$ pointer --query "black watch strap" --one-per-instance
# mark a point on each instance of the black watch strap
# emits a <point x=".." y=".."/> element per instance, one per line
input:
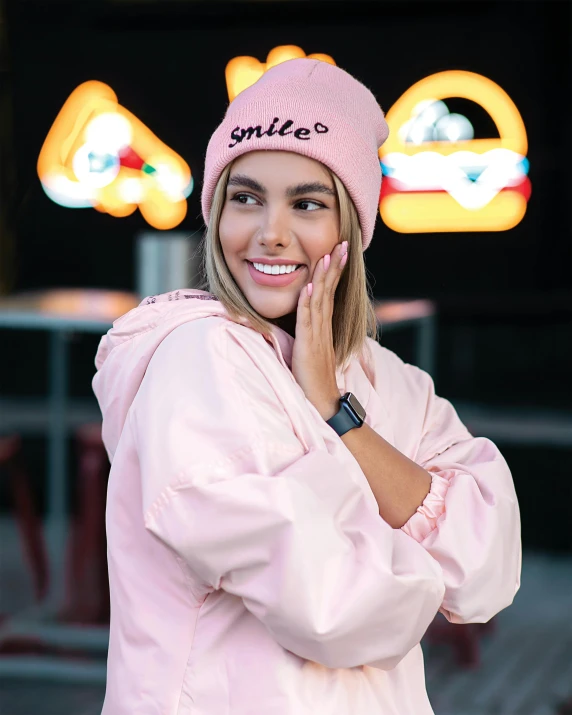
<point x="346" y="418"/>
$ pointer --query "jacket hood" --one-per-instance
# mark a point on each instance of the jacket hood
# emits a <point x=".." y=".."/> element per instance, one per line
<point x="125" y="351"/>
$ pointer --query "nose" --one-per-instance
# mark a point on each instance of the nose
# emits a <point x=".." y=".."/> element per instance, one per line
<point x="274" y="229"/>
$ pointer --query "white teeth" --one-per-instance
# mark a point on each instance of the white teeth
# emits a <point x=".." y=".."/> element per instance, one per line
<point x="274" y="270"/>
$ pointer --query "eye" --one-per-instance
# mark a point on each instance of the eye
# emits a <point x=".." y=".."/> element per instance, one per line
<point x="314" y="203"/>
<point x="238" y="197"/>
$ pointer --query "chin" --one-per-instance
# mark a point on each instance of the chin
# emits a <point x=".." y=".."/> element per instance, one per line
<point x="271" y="306"/>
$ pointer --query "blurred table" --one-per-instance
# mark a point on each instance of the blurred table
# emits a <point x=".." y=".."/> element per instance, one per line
<point x="421" y="314"/>
<point x="61" y="313"/>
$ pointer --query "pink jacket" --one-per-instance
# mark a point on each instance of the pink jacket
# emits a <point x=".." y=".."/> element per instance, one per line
<point x="250" y="571"/>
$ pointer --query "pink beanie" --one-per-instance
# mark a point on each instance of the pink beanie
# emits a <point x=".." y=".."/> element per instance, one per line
<point x="312" y="108"/>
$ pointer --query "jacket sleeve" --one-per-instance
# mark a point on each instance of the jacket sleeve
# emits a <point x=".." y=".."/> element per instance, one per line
<point x="228" y="488"/>
<point x="470" y="520"/>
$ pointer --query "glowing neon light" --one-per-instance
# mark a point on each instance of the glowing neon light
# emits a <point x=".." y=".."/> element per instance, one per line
<point x="437" y="177"/>
<point x="242" y="72"/>
<point x="99" y="155"/>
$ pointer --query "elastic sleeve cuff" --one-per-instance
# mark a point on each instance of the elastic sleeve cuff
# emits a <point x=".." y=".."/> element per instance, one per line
<point x="424" y="521"/>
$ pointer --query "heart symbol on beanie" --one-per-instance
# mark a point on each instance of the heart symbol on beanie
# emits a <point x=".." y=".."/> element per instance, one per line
<point x="242" y="72"/>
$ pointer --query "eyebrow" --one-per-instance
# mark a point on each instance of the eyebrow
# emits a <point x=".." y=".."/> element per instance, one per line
<point x="310" y="187"/>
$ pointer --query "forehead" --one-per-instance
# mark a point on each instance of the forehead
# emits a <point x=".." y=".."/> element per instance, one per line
<point x="280" y="167"/>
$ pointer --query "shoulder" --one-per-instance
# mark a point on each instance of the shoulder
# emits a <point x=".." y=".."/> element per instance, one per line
<point x="406" y="391"/>
<point x="201" y="338"/>
<point x="392" y="374"/>
<point x="212" y="349"/>
<point x="409" y="395"/>
<point x="192" y="352"/>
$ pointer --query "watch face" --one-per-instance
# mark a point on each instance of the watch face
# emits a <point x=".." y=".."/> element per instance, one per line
<point x="355" y="405"/>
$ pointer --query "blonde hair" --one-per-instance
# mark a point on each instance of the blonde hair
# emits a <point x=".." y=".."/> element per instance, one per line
<point x="353" y="317"/>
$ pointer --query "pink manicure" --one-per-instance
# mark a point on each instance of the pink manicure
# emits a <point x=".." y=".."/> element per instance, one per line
<point x="309" y="288"/>
<point x="326" y="262"/>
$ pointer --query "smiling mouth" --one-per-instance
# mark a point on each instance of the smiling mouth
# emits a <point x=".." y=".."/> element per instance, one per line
<point x="263" y="273"/>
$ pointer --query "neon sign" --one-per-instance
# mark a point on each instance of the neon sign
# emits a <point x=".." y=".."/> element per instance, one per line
<point x="98" y="155"/>
<point x="242" y="72"/>
<point x="437" y="176"/>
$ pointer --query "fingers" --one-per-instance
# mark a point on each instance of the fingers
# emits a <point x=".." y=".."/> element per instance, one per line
<point x="332" y="270"/>
<point x="325" y="280"/>
<point x="303" y="315"/>
<point x="316" y="301"/>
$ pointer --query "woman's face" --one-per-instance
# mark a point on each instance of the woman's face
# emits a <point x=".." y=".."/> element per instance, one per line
<point x="278" y="205"/>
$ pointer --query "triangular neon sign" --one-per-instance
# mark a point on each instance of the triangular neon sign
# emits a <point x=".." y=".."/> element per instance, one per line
<point x="98" y="154"/>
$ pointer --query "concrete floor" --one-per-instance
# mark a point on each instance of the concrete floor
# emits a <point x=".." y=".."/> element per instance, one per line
<point x="526" y="663"/>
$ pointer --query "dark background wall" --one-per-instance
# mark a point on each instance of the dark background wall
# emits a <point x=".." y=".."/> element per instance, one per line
<point x="504" y="299"/>
<point x="166" y="63"/>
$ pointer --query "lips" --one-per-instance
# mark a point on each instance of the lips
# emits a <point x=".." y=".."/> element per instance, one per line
<point x="276" y="281"/>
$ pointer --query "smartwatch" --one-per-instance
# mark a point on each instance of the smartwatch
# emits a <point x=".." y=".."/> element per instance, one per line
<point x="351" y="414"/>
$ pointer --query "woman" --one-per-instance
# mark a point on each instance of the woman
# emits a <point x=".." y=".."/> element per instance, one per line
<point x="290" y="504"/>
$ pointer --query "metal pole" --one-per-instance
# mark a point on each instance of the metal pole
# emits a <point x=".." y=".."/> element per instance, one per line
<point x="426" y="342"/>
<point x="56" y="513"/>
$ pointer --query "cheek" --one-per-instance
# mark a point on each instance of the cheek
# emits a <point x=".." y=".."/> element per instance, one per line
<point x="321" y="238"/>
<point x="231" y="233"/>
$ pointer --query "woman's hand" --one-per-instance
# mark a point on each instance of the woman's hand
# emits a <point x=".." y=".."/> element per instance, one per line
<point x="313" y="357"/>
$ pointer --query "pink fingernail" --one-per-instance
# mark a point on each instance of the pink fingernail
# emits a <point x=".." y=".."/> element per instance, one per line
<point x="310" y="288"/>
<point x="344" y="248"/>
<point x="326" y="262"/>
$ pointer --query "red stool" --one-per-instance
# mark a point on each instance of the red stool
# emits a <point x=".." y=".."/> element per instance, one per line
<point x="31" y="532"/>
<point x="565" y="708"/>
<point x="87" y="578"/>
<point x="27" y="518"/>
<point x="463" y="637"/>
